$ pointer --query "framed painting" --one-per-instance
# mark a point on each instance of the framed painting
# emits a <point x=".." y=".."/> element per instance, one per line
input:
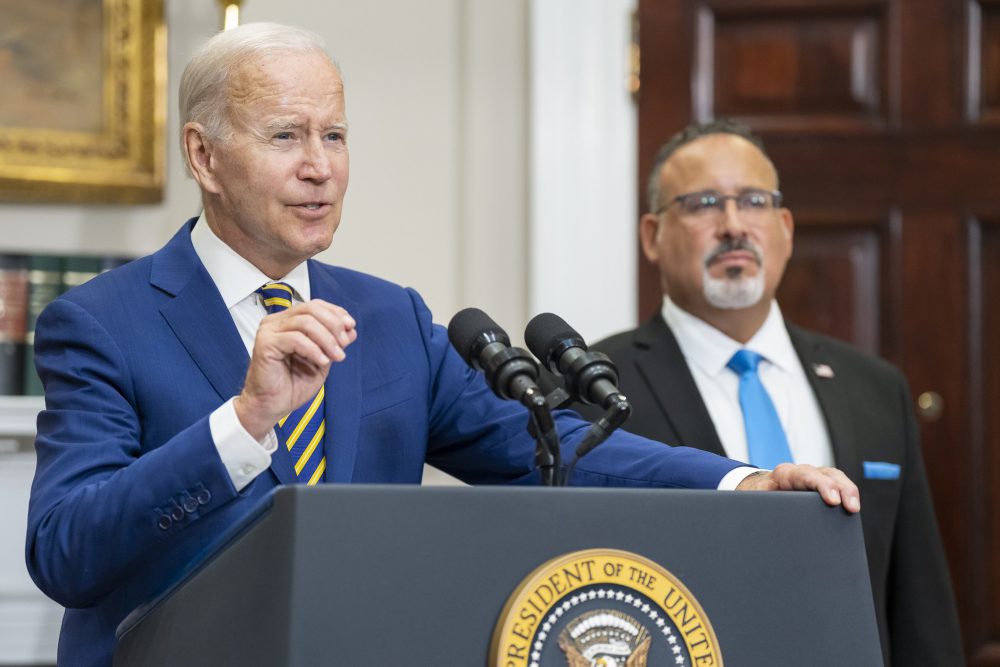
<point x="82" y="100"/>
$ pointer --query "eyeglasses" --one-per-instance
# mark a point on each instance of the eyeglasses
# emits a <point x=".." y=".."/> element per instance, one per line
<point x="709" y="203"/>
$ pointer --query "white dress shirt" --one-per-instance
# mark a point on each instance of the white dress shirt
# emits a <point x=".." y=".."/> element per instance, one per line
<point x="707" y="351"/>
<point x="237" y="280"/>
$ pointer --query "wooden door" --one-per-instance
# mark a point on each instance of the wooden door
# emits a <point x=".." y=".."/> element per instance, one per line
<point x="883" y="118"/>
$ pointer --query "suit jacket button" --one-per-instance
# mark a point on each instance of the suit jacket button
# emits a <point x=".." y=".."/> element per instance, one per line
<point x="164" y="522"/>
<point x="203" y="496"/>
<point x="189" y="504"/>
<point x="176" y="512"/>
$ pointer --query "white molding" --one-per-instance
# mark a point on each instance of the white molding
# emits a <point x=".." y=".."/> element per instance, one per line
<point x="583" y="165"/>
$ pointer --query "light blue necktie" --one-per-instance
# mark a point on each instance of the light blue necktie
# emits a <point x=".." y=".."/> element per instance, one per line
<point x="766" y="440"/>
<point x="301" y="431"/>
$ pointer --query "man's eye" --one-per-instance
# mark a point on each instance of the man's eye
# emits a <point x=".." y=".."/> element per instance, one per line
<point x="703" y="202"/>
<point x="755" y="200"/>
<point x="283" y="135"/>
<point x="335" y="136"/>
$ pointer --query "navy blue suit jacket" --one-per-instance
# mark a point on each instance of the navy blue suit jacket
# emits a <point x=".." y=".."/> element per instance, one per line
<point x="130" y="489"/>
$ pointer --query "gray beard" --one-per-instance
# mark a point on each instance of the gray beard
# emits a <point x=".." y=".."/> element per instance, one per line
<point x="731" y="293"/>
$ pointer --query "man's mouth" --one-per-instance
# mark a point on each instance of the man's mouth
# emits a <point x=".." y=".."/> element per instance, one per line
<point x="735" y="255"/>
<point x="734" y="251"/>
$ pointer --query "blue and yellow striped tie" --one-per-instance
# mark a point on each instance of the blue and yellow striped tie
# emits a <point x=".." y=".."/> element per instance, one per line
<point x="303" y="429"/>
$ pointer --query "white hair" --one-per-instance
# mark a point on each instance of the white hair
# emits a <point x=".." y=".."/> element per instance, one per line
<point x="204" y="88"/>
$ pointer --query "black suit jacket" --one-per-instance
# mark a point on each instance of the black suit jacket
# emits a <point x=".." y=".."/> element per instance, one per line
<point x="869" y="417"/>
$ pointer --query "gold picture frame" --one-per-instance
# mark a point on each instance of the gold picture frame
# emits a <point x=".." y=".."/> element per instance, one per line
<point x="82" y="112"/>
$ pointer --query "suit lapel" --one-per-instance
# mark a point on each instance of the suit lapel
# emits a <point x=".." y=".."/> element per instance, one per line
<point x="661" y="364"/>
<point x="831" y="394"/>
<point x="343" y="385"/>
<point x="199" y="318"/>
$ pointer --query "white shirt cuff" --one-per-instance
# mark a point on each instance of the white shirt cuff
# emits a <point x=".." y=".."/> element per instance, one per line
<point x="734" y="477"/>
<point x="243" y="456"/>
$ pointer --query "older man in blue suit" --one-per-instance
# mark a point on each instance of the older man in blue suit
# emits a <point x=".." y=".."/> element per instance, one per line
<point x="176" y="398"/>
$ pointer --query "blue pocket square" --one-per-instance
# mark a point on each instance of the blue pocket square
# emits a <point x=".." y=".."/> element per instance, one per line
<point x="880" y="470"/>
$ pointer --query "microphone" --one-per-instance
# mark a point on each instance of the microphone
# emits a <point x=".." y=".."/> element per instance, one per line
<point x="510" y="371"/>
<point x="591" y="377"/>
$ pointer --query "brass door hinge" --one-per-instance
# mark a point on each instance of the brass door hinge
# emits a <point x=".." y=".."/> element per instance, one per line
<point x="633" y="81"/>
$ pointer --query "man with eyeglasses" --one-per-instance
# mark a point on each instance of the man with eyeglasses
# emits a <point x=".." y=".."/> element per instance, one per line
<point x="719" y="368"/>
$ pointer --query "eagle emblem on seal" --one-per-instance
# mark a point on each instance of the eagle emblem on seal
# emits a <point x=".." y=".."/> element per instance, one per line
<point x="605" y="638"/>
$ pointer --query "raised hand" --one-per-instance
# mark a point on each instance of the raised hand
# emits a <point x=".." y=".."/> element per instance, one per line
<point x="291" y="358"/>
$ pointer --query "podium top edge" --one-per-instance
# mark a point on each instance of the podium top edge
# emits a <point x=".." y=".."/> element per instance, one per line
<point x="708" y="495"/>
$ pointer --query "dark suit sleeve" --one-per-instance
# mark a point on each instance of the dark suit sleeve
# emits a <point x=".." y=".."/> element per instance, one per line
<point x="481" y="439"/>
<point x="923" y="623"/>
<point x="98" y="500"/>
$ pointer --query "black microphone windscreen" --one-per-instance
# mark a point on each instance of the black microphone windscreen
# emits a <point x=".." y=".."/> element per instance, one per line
<point x="465" y="330"/>
<point x="545" y="332"/>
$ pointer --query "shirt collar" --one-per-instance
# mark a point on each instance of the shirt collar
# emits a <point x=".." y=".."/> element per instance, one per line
<point x="235" y="277"/>
<point x="710" y="349"/>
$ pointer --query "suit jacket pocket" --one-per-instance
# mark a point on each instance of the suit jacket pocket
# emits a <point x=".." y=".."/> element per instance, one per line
<point x="386" y="395"/>
<point x="880" y="470"/>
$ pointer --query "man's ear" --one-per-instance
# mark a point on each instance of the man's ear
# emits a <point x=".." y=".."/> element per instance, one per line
<point x="788" y="222"/>
<point x="649" y="228"/>
<point x="198" y="151"/>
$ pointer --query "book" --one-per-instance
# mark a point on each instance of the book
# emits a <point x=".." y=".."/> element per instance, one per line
<point x="48" y="276"/>
<point x="44" y="285"/>
<point x="78" y="269"/>
<point x="13" y="322"/>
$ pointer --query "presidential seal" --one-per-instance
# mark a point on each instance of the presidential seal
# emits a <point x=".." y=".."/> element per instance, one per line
<point x="603" y="608"/>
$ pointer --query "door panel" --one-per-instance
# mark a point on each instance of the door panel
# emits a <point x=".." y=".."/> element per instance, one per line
<point x="833" y="283"/>
<point x="788" y="67"/>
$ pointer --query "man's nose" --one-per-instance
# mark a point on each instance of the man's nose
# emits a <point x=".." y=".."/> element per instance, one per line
<point x="731" y="220"/>
<point x="316" y="164"/>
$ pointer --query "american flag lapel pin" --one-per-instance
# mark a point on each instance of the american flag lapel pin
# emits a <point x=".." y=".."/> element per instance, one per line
<point x="822" y="371"/>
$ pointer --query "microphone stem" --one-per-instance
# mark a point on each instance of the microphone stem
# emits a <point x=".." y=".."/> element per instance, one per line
<point x="547" y="454"/>
<point x="618" y="410"/>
